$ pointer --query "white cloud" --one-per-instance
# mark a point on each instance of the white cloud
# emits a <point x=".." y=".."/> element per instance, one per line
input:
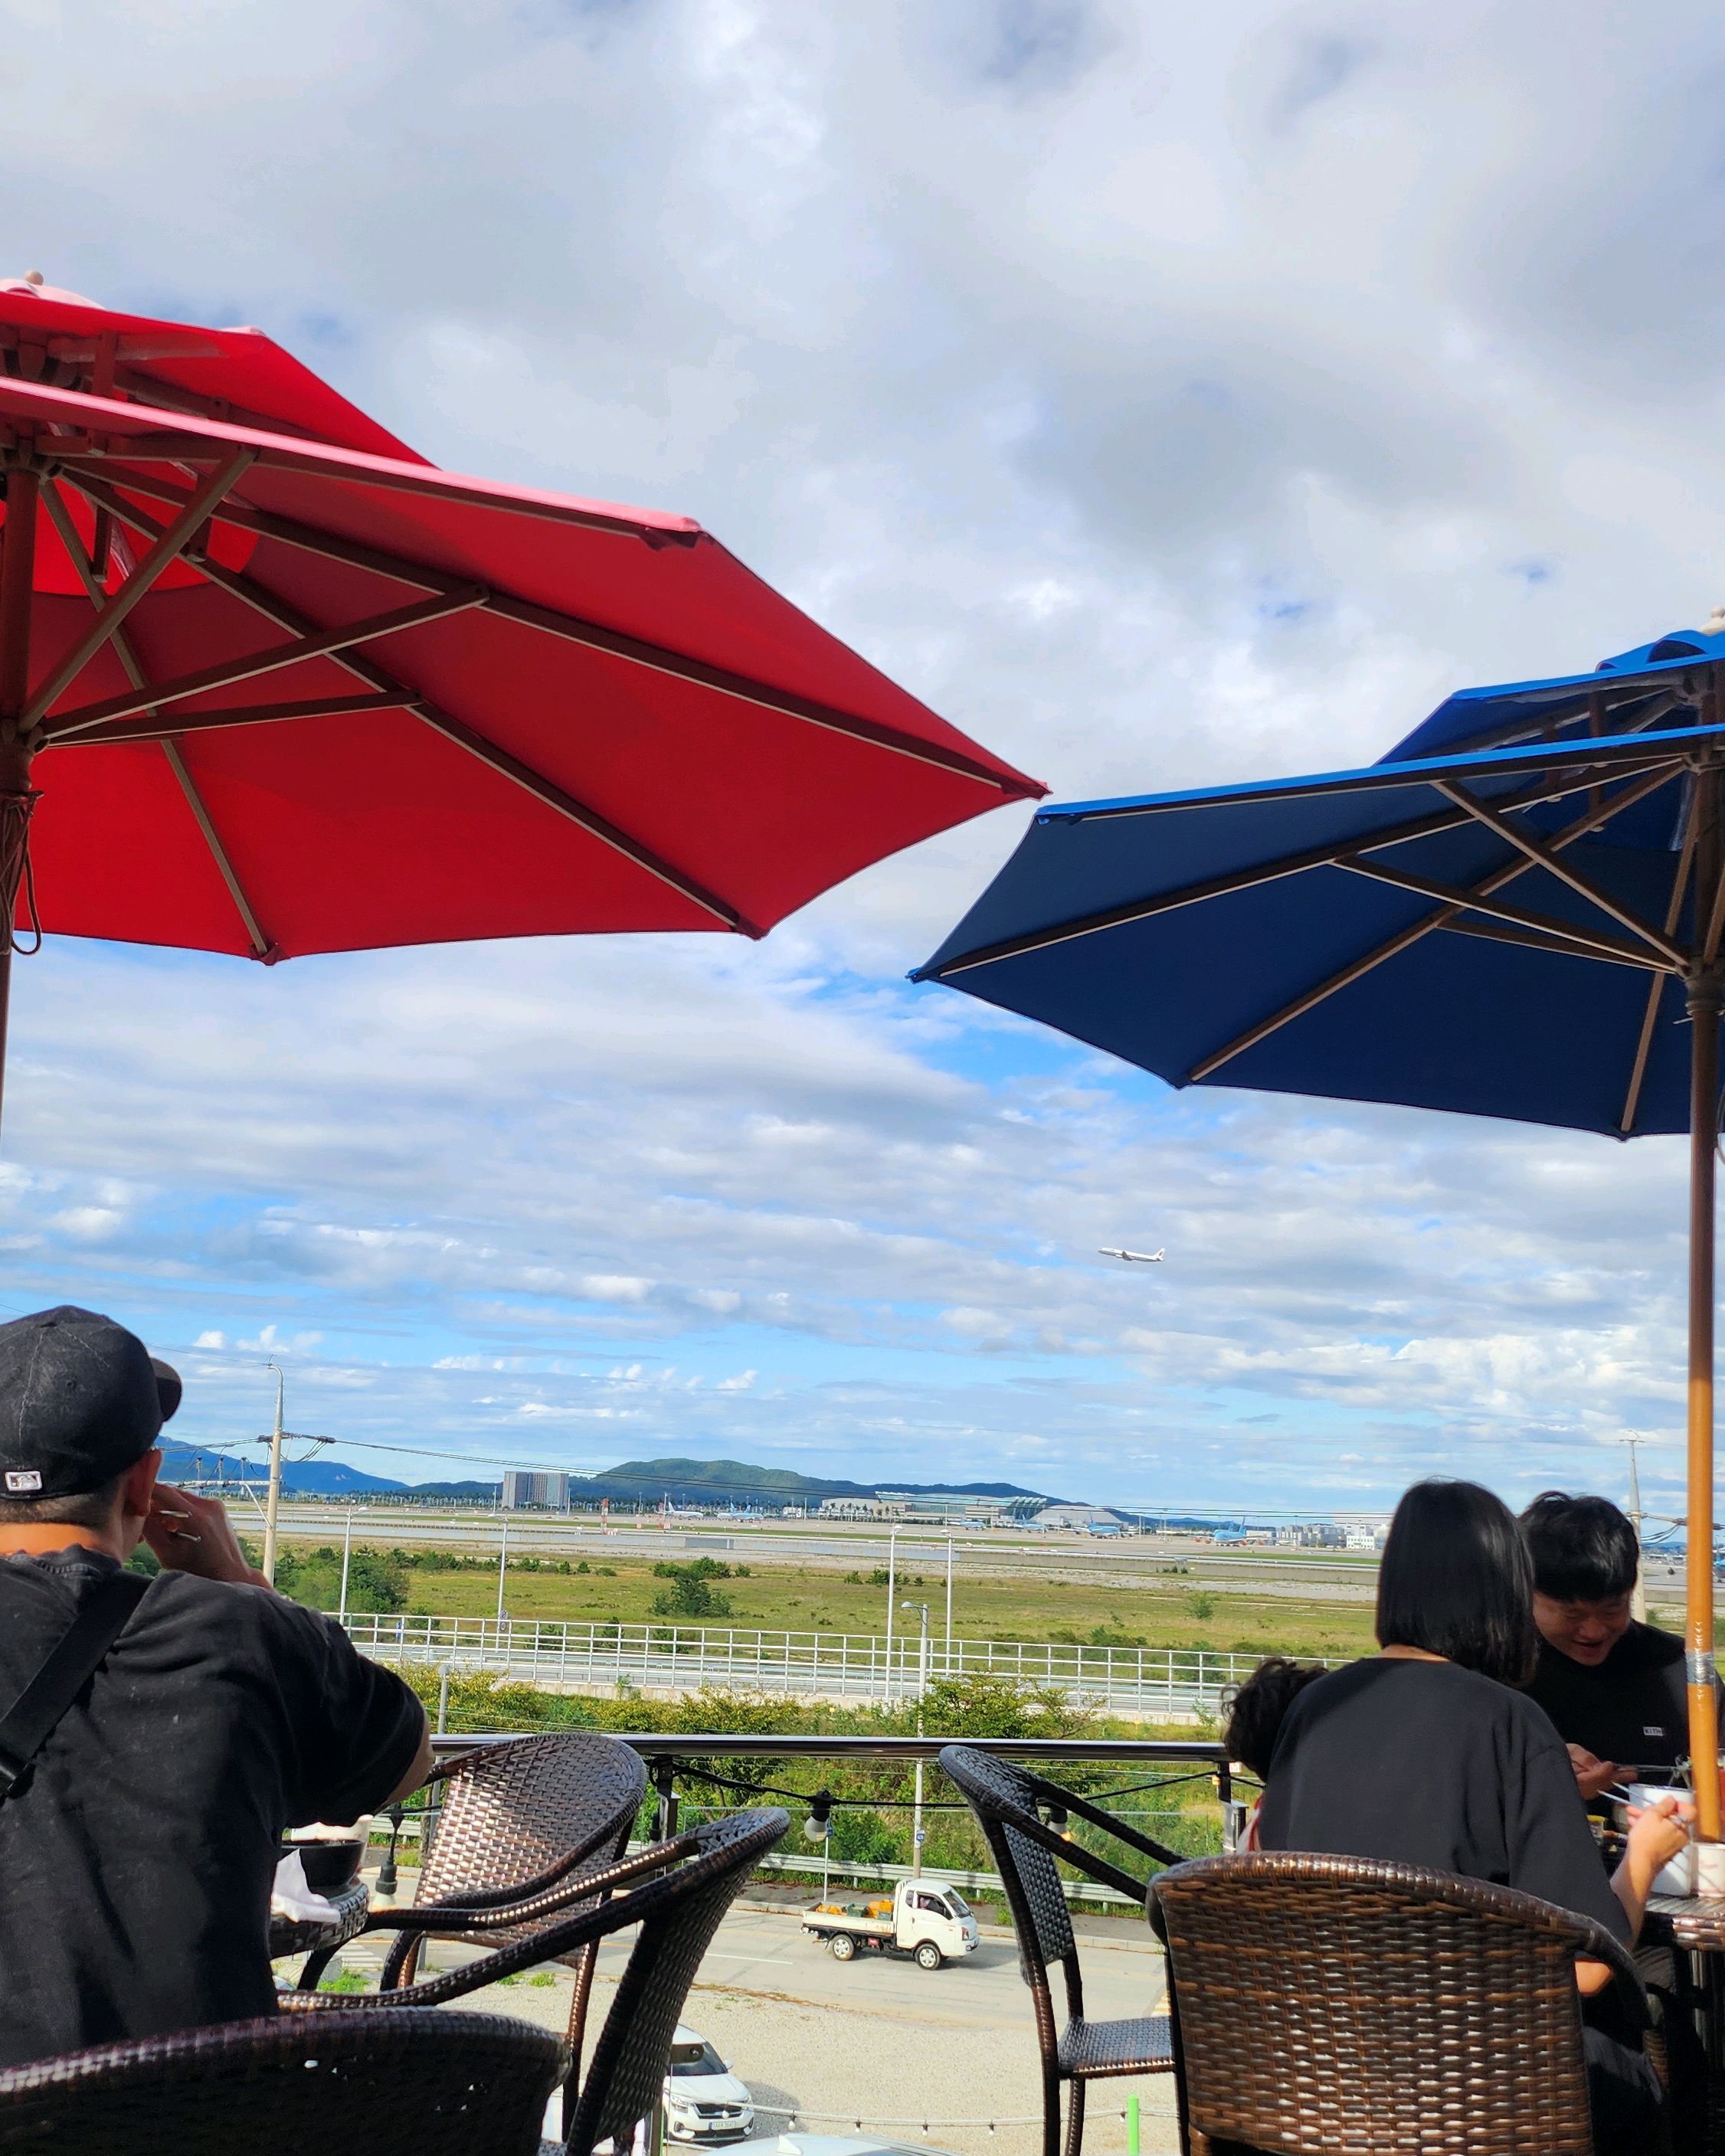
<point x="1165" y="397"/>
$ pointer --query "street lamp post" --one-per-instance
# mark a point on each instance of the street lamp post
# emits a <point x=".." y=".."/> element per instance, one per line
<point x="1638" y="1600"/>
<point x="891" y="1590"/>
<point x="272" y="1503"/>
<point x="921" y="1609"/>
<point x="346" y="1556"/>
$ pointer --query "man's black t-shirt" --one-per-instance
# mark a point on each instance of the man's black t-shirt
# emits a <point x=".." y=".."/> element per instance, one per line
<point x="136" y="1857"/>
<point x="1633" y="1707"/>
<point x="1427" y="1763"/>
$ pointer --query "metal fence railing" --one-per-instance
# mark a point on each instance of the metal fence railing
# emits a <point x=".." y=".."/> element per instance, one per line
<point x="681" y="1767"/>
<point x="1175" y="1683"/>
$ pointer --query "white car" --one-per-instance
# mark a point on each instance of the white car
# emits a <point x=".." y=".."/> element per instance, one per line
<point x="703" y="2101"/>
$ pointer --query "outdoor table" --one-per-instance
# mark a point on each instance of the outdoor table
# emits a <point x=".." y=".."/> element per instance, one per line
<point x="1693" y="1930"/>
<point x="350" y="1904"/>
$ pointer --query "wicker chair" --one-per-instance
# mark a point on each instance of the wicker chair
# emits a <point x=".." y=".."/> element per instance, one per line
<point x="678" y="1892"/>
<point x="408" y="2085"/>
<point x="516" y="1820"/>
<point x="1028" y="1853"/>
<point x="1323" y="2003"/>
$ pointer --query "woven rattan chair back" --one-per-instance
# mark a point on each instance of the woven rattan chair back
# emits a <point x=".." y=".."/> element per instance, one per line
<point x="624" y="2079"/>
<point x="1003" y="1800"/>
<point x="1028" y="1852"/>
<point x="1330" y="2002"/>
<point x="415" y="2083"/>
<point x="509" y="1812"/>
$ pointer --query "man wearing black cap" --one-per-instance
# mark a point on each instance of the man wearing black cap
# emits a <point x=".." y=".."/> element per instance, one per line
<point x="156" y="1748"/>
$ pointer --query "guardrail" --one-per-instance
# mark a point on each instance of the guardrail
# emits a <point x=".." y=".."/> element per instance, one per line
<point x="1172" y="1683"/>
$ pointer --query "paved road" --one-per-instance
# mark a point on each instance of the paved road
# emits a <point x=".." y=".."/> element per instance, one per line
<point x="882" y="2040"/>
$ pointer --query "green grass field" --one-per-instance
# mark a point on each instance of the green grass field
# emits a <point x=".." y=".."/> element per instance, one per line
<point x="787" y="1598"/>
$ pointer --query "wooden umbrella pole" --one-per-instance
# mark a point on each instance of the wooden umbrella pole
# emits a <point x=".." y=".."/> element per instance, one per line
<point x="1704" y="999"/>
<point x="17" y="566"/>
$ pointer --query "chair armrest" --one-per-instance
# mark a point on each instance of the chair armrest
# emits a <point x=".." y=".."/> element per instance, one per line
<point x="1626" y="1979"/>
<point x="584" y="1927"/>
<point x="467" y="1918"/>
<point x="498" y="1898"/>
<point x="462" y="1919"/>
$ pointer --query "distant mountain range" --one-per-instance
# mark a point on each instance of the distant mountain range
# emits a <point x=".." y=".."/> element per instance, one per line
<point x="705" y="1481"/>
<point x="316" y="1477"/>
<point x="634" y="1481"/>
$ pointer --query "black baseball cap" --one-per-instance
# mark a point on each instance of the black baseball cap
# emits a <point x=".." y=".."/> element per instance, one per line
<point x="81" y="1400"/>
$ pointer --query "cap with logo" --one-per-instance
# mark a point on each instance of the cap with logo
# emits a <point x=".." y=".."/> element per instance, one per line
<point x="81" y="1400"/>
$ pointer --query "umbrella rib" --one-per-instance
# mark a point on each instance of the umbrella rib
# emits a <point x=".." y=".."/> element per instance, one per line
<point x="1537" y="723"/>
<point x="594" y="636"/>
<point x="1619" y="753"/>
<point x="150" y="728"/>
<point x="318" y="644"/>
<point x="251" y="593"/>
<point x="1543" y="856"/>
<point x="262" y="947"/>
<point x="547" y="790"/>
<point x="109" y="617"/>
<point x="1322" y="856"/>
<point x="1560" y="946"/>
<point x="1656" y="989"/>
<point x="1554" y="932"/>
<point x="330" y="460"/>
<point x="1594" y="816"/>
<point x="660" y="660"/>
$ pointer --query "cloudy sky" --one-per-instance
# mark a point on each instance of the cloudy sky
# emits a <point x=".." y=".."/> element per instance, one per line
<point x="1165" y="396"/>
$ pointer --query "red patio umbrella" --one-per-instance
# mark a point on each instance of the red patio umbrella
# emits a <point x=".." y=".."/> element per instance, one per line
<point x="321" y="699"/>
<point x="70" y="342"/>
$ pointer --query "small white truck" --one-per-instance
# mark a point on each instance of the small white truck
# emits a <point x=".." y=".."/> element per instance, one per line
<point x="931" y="1923"/>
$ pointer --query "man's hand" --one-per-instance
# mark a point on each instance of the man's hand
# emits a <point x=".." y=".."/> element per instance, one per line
<point x="193" y="1534"/>
<point x="1592" y="1777"/>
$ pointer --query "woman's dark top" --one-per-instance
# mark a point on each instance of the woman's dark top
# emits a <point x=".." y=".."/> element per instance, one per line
<point x="1427" y="1763"/>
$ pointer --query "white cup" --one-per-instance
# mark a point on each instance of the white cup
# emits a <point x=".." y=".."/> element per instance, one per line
<point x="1678" y="1876"/>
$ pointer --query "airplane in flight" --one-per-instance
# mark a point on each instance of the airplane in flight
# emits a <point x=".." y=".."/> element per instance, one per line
<point x="1136" y="1257"/>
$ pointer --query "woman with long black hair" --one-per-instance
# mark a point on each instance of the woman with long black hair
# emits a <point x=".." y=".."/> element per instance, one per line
<point x="1427" y="1754"/>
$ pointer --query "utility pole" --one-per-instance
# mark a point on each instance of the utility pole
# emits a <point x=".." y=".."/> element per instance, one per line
<point x="274" y="1497"/>
<point x="922" y="1608"/>
<point x="347" y="1553"/>
<point x="1638" y="1600"/>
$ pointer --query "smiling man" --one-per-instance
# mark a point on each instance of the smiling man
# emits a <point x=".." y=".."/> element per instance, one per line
<point x="1614" y="1687"/>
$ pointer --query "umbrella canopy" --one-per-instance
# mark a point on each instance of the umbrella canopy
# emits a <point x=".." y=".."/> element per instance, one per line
<point x="323" y="701"/>
<point x="68" y="342"/>
<point x="1520" y="915"/>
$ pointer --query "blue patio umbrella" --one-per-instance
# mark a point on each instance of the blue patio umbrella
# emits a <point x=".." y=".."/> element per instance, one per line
<point x="1518" y="913"/>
